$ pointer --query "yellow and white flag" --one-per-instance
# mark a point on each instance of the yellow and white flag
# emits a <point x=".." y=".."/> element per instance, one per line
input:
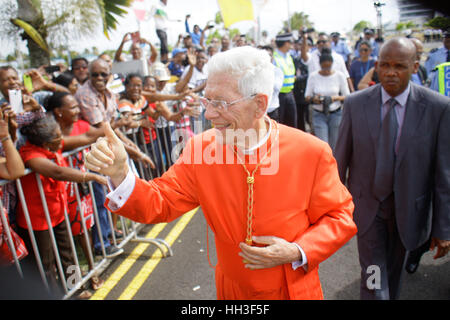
<point x="235" y="11"/>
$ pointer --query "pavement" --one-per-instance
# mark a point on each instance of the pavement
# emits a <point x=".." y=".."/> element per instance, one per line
<point x="187" y="275"/>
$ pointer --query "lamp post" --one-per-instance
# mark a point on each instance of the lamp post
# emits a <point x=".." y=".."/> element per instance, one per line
<point x="378" y="5"/>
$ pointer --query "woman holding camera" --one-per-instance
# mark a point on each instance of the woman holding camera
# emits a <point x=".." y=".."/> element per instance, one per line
<point x="325" y="91"/>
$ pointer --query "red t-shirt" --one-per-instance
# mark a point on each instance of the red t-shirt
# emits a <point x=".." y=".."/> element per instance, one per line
<point x="80" y="127"/>
<point x="54" y="190"/>
<point x="145" y="130"/>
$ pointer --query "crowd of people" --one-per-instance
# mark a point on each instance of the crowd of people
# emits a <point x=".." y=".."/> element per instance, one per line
<point x="73" y="107"/>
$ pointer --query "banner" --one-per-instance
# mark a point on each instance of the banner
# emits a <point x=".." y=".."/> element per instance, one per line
<point x="235" y="11"/>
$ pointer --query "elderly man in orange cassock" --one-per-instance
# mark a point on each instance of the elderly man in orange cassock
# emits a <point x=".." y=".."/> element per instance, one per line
<point x="270" y="193"/>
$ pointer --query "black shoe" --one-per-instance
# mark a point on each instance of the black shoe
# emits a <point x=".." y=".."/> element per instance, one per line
<point x="111" y="251"/>
<point x="412" y="267"/>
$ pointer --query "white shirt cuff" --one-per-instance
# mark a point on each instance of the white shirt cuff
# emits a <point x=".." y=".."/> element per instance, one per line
<point x="303" y="262"/>
<point x="118" y="196"/>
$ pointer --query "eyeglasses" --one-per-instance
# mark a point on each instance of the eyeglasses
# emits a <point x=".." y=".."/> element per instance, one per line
<point x="363" y="50"/>
<point x="96" y="74"/>
<point x="222" y="105"/>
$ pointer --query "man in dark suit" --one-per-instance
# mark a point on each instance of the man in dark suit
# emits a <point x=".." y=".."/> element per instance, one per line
<point x="394" y="140"/>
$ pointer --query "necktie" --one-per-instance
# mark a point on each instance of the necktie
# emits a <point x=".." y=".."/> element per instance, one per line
<point x="384" y="172"/>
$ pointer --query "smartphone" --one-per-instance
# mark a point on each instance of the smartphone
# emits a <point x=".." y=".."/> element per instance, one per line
<point x="27" y="82"/>
<point x="51" y="69"/>
<point x="136" y="36"/>
<point x="15" y="100"/>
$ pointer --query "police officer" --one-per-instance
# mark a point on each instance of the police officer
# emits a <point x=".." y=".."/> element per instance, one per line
<point x="340" y="47"/>
<point x="437" y="64"/>
<point x="439" y="55"/>
<point x="283" y="60"/>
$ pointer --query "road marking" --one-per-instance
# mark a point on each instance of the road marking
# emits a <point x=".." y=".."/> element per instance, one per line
<point x="150" y="265"/>
<point x="126" y="265"/>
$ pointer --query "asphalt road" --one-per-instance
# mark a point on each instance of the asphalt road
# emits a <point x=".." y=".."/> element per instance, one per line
<point x="187" y="275"/>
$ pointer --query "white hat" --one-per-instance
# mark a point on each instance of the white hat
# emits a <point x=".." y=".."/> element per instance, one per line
<point x="159" y="71"/>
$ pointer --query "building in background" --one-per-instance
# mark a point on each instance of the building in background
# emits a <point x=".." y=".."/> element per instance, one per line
<point x="415" y="11"/>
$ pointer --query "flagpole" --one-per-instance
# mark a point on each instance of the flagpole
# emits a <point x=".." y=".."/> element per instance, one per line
<point x="289" y="15"/>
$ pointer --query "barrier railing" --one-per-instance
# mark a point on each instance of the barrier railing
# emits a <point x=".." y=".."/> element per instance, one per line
<point x="71" y="277"/>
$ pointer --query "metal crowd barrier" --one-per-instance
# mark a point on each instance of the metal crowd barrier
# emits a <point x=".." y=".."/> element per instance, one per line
<point x="162" y="143"/>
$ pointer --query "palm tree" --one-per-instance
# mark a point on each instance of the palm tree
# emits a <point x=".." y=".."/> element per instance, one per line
<point x="298" y="20"/>
<point x="55" y="21"/>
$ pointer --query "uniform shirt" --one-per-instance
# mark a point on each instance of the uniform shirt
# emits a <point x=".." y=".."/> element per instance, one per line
<point x="341" y="48"/>
<point x="434" y="58"/>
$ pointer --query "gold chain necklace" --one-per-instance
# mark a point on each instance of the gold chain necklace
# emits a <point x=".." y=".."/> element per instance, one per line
<point x="250" y="184"/>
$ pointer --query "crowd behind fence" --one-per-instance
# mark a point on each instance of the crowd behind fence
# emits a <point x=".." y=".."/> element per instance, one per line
<point x="72" y="278"/>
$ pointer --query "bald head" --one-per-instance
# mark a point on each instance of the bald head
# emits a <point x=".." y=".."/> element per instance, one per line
<point x="99" y="73"/>
<point x="419" y="48"/>
<point x="400" y="44"/>
<point x="98" y="63"/>
<point x="395" y="65"/>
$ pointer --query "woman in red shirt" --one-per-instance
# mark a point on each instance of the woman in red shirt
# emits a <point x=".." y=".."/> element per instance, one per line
<point x="66" y="112"/>
<point x="42" y="153"/>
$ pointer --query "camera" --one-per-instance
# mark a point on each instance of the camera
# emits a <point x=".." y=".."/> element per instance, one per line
<point x="306" y="30"/>
<point x="51" y="69"/>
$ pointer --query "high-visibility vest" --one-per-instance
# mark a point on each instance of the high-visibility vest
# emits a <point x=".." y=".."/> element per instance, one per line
<point x="443" y="71"/>
<point x="288" y="67"/>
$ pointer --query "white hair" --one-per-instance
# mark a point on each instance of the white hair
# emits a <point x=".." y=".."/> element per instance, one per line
<point x="250" y="66"/>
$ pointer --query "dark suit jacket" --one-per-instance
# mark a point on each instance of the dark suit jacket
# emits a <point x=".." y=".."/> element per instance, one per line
<point x="422" y="171"/>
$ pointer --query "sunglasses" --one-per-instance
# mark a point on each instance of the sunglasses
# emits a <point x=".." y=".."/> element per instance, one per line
<point x="103" y="74"/>
<point x="363" y="50"/>
<point x="322" y="41"/>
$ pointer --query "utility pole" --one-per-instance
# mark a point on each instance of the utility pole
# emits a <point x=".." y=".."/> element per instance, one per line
<point x="378" y="5"/>
<point x="289" y="15"/>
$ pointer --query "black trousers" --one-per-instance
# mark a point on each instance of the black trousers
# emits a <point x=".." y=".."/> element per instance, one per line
<point x="47" y="255"/>
<point x="382" y="256"/>
<point x="275" y="114"/>
<point x="162" y="35"/>
<point x="288" y="109"/>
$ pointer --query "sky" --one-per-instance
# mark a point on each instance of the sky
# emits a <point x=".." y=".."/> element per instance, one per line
<point x="327" y="16"/>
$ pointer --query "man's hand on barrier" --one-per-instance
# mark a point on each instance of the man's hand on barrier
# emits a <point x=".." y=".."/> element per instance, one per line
<point x="108" y="156"/>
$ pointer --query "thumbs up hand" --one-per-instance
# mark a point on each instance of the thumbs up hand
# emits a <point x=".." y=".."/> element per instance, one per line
<point x="108" y="156"/>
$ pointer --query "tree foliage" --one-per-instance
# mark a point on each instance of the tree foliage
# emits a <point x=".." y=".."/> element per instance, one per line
<point x="442" y="23"/>
<point x="298" y="20"/>
<point x="59" y="21"/>
<point x="404" y="25"/>
<point x="361" y="25"/>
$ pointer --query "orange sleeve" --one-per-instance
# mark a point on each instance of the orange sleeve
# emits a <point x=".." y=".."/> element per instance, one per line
<point x="163" y="199"/>
<point x="330" y="213"/>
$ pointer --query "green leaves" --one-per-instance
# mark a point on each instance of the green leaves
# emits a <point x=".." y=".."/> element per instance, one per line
<point x="109" y="10"/>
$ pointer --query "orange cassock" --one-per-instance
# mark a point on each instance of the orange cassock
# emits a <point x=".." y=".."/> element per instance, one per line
<point x="298" y="196"/>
